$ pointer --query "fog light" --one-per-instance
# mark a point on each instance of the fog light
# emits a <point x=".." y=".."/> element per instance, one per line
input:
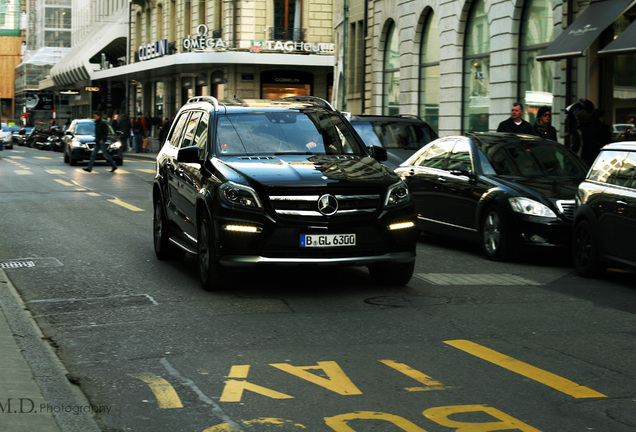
<point x="534" y="238"/>
<point x="401" y="225"/>
<point x="242" y="228"/>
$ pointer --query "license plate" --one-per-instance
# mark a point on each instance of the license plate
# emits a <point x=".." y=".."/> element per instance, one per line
<point x="327" y="240"/>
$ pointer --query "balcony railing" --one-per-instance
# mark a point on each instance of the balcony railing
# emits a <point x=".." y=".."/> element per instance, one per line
<point x="287" y="34"/>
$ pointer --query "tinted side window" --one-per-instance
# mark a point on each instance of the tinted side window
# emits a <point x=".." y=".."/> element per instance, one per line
<point x="177" y="132"/>
<point x="191" y="129"/>
<point x="435" y="155"/>
<point x="625" y="175"/>
<point x="201" y="134"/>
<point x="460" y="155"/>
<point x="607" y="164"/>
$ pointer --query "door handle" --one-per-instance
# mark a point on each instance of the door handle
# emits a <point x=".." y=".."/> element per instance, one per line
<point x="441" y="179"/>
<point x="622" y="203"/>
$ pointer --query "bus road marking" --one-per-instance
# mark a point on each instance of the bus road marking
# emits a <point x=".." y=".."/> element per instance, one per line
<point x="544" y="377"/>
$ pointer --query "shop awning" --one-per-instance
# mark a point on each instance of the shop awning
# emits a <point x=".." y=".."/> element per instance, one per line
<point x="76" y="65"/>
<point x="625" y="43"/>
<point x="585" y="29"/>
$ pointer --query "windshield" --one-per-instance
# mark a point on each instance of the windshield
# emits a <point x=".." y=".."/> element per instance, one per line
<point x="533" y="159"/>
<point x="85" y="129"/>
<point x="273" y="133"/>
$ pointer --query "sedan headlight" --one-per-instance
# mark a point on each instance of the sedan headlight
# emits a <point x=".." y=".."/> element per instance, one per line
<point x="530" y="207"/>
<point x="115" y="145"/>
<point x="78" y="144"/>
<point x="397" y="194"/>
<point x="236" y="195"/>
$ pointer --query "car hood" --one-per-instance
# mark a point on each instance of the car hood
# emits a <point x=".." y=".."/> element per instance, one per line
<point x="307" y="170"/>
<point x="546" y="187"/>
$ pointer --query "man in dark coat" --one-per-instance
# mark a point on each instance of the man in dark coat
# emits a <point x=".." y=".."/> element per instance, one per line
<point x="515" y="124"/>
<point x="101" y="135"/>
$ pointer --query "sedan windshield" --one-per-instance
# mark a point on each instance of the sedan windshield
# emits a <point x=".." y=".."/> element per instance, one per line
<point x="533" y="159"/>
<point x="275" y="133"/>
<point x="85" y="129"/>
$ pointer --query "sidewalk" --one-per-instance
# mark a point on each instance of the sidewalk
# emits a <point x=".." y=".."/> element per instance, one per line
<point x="35" y="394"/>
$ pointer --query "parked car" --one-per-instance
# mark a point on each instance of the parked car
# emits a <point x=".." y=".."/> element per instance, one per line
<point x="15" y="130"/>
<point x="6" y="138"/>
<point x="605" y="218"/>
<point x="79" y="140"/>
<point x="623" y="132"/>
<point x="245" y="184"/>
<point x="23" y="134"/>
<point x="400" y="135"/>
<point x="503" y="190"/>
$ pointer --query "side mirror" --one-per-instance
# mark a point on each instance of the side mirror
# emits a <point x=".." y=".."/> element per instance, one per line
<point x="189" y="155"/>
<point x="378" y="153"/>
<point x="69" y="133"/>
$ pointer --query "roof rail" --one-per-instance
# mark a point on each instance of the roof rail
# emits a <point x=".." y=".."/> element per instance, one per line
<point x="313" y="100"/>
<point x="210" y="99"/>
<point x="409" y="116"/>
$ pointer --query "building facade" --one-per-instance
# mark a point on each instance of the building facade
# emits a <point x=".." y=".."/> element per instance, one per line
<point x="175" y="49"/>
<point x="461" y="64"/>
<point x="10" y="54"/>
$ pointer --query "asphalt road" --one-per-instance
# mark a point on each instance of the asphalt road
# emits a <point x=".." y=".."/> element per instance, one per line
<point x="468" y="345"/>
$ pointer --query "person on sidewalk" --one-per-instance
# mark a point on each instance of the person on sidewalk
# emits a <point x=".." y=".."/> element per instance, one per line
<point x="543" y="127"/>
<point x="515" y="124"/>
<point x="101" y="135"/>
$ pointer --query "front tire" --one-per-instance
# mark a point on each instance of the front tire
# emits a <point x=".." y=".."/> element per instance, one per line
<point x="392" y="274"/>
<point x="495" y="235"/>
<point x="211" y="272"/>
<point x="585" y="251"/>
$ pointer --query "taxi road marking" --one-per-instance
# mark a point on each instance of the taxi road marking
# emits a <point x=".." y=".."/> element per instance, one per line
<point x="544" y="377"/>
<point x="125" y="205"/>
<point x="166" y="395"/>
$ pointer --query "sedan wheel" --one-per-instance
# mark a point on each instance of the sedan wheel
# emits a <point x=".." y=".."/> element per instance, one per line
<point x="212" y="274"/>
<point x="495" y="243"/>
<point x="586" y="260"/>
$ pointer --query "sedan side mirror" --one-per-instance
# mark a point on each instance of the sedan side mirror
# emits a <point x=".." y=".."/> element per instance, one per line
<point x="378" y="153"/>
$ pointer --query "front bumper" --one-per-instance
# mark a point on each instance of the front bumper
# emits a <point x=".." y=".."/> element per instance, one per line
<point x="81" y="153"/>
<point x="535" y="231"/>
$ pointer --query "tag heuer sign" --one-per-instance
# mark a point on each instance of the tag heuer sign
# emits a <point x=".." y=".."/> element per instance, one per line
<point x="257" y="46"/>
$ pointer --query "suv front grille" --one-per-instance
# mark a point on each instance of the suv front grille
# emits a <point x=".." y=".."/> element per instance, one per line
<point x="300" y="206"/>
<point x="567" y="208"/>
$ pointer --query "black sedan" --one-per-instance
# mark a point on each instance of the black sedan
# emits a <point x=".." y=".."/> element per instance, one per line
<point x="79" y="141"/>
<point x="503" y="190"/>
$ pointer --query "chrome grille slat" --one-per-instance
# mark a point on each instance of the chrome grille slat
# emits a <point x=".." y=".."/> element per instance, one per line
<point x="567" y="208"/>
<point x="306" y="205"/>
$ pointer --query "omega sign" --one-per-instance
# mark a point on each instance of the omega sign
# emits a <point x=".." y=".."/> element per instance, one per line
<point x="200" y="41"/>
<point x="152" y="50"/>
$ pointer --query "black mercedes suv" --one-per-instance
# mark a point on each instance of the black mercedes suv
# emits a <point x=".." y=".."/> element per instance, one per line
<point x="282" y="182"/>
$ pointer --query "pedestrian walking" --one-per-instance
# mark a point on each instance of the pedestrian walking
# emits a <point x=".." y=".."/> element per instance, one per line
<point x="138" y="132"/>
<point x="124" y="131"/>
<point x="515" y="124"/>
<point x="588" y="137"/>
<point x="542" y="126"/>
<point x="101" y="135"/>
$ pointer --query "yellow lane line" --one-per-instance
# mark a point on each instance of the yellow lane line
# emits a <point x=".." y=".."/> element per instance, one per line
<point x="149" y="171"/>
<point x="23" y="172"/>
<point x="42" y="157"/>
<point x="166" y="395"/>
<point x="64" y="183"/>
<point x="92" y="194"/>
<point x="551" y="380"/>
<point x="125" y="205"/>
<point x="55" y="171"/>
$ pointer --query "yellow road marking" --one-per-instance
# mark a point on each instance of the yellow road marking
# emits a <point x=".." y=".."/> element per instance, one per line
<point x="149" y="171"/>
<point x="166" y="395"/>
<point x="429" y="383"/>
<point x="64" y="183"/>
<point x="125" y="205"/>
<point x="92" y="194"/>
<point x="55" y="171"/>
<point x="41" y="157"/>
<point x="23" y="172"/>
<point x="544" y="377"/>
<point x="16" y="157"/>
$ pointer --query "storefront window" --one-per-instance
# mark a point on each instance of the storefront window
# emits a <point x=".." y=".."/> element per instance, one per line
<point x="476" y="103"/>
<point x="159" y="99"/>
<point x="624" y="76"/>
<point x="391" y="105"/>
<point x="535" y="86"/>
<point x="280" y="84"/>
<point x="429" y="73"/>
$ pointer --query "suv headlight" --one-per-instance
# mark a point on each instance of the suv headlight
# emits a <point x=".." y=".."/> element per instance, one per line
<point x="114" y="145"/>
<point x="397" y="194"/>
<point x="530" y="207"/>
<point x="236" y="195"/>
